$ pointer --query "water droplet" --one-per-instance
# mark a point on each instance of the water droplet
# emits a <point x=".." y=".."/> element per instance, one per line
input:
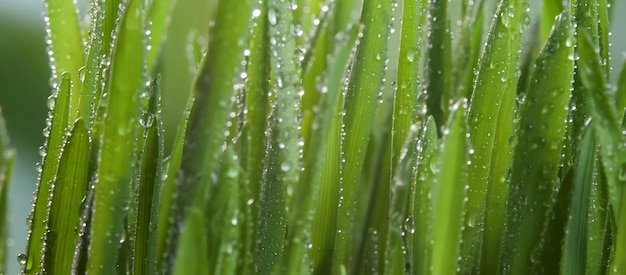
<point x="410" y="55"/>
<point x="285" y="166"/>
<point x="272" y="16"/>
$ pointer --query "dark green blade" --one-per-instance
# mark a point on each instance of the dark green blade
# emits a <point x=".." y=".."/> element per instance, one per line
<point x="68" y="195"/>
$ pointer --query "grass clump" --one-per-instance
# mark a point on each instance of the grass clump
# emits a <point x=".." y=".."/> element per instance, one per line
<point x="339" y="137"/>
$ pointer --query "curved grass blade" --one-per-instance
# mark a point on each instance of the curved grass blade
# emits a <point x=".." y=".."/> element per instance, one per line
<point x="66" y="46"/>
<point x="534" y="178"/>
<point x="489" y="121"/>
<point x="192" y="254"/>
<point x="422" y="199"/>
<point x="55" y="130"/>
<point x="360" y="105"/>
<point x="112" y="192"/>
<point x="575" y="247"/>
<point x="438" y="60"/>
<point x="68" y="194"/>
<point x="7" y="160"/>
<point x="307" y="189"/>
<point x="550" y="9"/>
<point x="449" y="195"/>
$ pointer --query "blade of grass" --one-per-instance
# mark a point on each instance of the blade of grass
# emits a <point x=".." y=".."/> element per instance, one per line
<point x="65" y="46"/>
<point x="468" y="48"/>
<point x="119" y="130"/>
<point x="69" y="192"/>
<point x="7" y="160"/>
<point x="253" y="152"/>
<point x="449" y="195"/>
<point x="490" y="122"/>
<point x="190" y="257"/>
<point x="422" y="199"/>
<point x="55" y="130"/>
<point x="360" y="105"/>
<point x="534" y="178"/>
<point x="620" y="98"/>
<point x="148" y="187"/>
<point x="159" y="23"/>
<point x="575" y="247"/>
<point x="438" y="60"/>
<point x="307" y="189"/>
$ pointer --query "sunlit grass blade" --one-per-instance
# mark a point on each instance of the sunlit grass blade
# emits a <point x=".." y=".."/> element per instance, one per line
<point x="66" y="46"/>
<point x="253" y="148"/>
<point x="438" y="60"/>
<point x="306" y="191"/>
<point x="7" y="159"/>
<point x="534" y="176"/>
<point x="449" y="194"/>
<point x="165" y="248"/>
<point x="68" y="193"/>
<point x="112" y="187"/>
<point x="422" y="199"/>
<point x="55" y="131"/>
<point x="575" y="247"/>
<point x="360" y="105"/>
<point x="550" y="9"/>
<point x="490" y="121"/>
<point x="468" y="48"/>
<point x="192" y="254"/>
<point x="148" y="187"/>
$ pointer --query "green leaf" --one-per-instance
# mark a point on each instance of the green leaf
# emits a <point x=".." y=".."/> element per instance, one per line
<point x="66" y="46"/>
<point x="449" y="194"/>
<point x="575" y="247"/>
<point x="360" y="105"/>
<point x="490" y="123"/>
<point x="7" y="160"/>
<point x="69" y="190"/>
<point x="192" y="254"/>
<point x="438" y="60"/>
<point x="112" y="187"/>
<point x="159" y="23"/>
<point x="534" y="178"/>
<point x="55" y="130"/>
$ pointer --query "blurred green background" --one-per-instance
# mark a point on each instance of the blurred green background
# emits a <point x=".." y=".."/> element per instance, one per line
<point x="25" y="86"/>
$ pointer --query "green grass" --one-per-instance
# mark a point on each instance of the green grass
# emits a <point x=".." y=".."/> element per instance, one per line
<point x="339" y="137"/>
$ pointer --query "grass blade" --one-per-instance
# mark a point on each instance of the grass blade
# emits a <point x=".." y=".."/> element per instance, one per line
<point x="7" y="159"/>
<point x="449" y="195"/>
<point x="537" y="154"/>
<point x="190" y="257"/>
<point x="66" y="46"/>
<point x="159" y="23"/>
<point x="575" y="247"/>
<point x="494" y="91"/>
<point x="438" y="62"/>
<point x="68" y="194"/>
<point x="360" y="105"/>
<point x="119" y="131"/>
<point x="58" y="120"/>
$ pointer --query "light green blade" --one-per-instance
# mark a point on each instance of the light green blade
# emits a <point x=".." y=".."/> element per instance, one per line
<point x="192" y="254"/>
<point x="7" y="160"/>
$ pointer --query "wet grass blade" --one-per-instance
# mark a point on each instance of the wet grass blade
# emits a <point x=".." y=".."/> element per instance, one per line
<point x="575" y="247"/>
<point x="66" y="46"/>
<point x="147" y="193"/>
<point x="438" y="60"/>
<point x="114" y="173"/>
<point x="7" y="159"/>
<point x="68" y="195"/>
<point x="422" y="199"/>
<point x="620" y="98"/>
<point x="308" y="187"/>
<point x="55" y="130"/>
<point x="489" y="121"/>
<point x="190" y="257"/>
<point x="534" y="176"/>
<point x="159" y="23"/>
<point x="360" y="105"/>
<point x="449" y="195"/>
<point x="165" y="249"/>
